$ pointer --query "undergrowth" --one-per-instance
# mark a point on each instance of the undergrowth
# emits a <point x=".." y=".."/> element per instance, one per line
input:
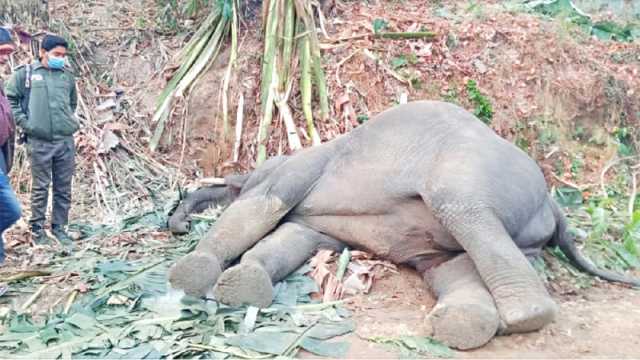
<point x="603" y="225"/>
<point x="482" y="106"/>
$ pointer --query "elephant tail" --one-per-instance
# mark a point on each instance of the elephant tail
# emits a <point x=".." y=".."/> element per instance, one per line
<point x="566" y="242"/>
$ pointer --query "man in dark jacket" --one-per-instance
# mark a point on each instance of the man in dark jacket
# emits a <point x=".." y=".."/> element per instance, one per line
<point x="9" y="206"/>
<point x="43" y="100"/>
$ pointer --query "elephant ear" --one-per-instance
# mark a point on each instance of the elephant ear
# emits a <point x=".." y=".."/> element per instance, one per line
<point x="235" y="183"/>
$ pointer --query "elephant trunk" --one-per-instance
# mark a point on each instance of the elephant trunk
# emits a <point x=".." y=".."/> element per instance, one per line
<point x="204" y="198"/>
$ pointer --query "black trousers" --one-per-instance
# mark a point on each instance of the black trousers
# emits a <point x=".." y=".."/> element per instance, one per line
<point x="51" y="162"/>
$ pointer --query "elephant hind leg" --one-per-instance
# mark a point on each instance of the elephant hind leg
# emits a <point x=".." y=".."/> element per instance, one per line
<point x="465" y="316"/>
<point x="272" y="259"/>
<point x="520" y="296"/>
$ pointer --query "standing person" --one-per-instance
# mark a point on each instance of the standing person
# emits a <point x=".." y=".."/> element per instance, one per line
<point x="43" y="100"/>
<point x="9" y="206"/>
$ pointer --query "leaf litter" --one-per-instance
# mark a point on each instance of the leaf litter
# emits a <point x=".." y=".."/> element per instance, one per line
<point x="120" y="307"/>
<point x="351" y="273"/>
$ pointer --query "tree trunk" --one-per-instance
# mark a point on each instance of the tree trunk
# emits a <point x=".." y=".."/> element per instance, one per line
<point x="32" y="15"/>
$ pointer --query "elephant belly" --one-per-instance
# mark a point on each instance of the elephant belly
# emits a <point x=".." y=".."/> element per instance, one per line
<point x="404" y="231"/>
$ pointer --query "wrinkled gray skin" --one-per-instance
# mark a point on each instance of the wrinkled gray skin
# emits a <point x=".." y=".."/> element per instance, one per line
<point x="425" y="184"/>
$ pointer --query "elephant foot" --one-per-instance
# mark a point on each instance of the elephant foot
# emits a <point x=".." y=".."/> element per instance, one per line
<point x="527" y="315"/>
<point x="244" y="284"/>
<point x="463" y="326"/>
<point x="195" y="274"/>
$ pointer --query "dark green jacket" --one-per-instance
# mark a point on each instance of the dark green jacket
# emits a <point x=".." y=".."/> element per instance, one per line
<point x="52" y="102"/>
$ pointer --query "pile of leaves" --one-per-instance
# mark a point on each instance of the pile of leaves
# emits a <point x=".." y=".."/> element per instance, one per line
<point x="352" y="272"/>
<point x="120" y="308"/>
<point x="601" y="29"/>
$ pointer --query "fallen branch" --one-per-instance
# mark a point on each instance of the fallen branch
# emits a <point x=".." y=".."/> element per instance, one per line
<point x="72" y="299"/>
<point x="341" y="62"/>
<point x="426" y="35"/>
<point x="397" y="76"/>
<point x="57" y="302"/>
<point x="405" y="35"/>
<point x="22" y="275"/>
<point x="611" y="163"/>
<point x="573" y="185"/>
<point x="33" y="298"/>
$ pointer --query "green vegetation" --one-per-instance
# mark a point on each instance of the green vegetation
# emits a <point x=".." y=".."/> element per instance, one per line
<point x="603" y="30"/>
<point x="125" y="312"/>
<point x="482" y="105"/>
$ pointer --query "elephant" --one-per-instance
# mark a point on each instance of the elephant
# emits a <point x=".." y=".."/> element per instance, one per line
<point x="426" y="184"/>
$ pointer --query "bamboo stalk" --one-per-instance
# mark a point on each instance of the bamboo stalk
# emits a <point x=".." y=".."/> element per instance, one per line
<point x="227" y="76"/>
<point x="208" y="54"/>
<point x="72" y="298"/>
<point x="34" y="297"/>
<point x="321" y="83"/>
<point x="191" y="55"/>
<point x="239" y="121"/>
<point x="306" y="90"/>
<point x="287" y="47"/>
<point x="195" y="58"/>
<point x="204" y="28"/>
<point x="306" y="14"/>
<point x="292" y="135"/>
<point x="204" y="57"/>
<point x="269" y="80"/>
<point x="267" y="117"/>
<point x="268" y="60"/>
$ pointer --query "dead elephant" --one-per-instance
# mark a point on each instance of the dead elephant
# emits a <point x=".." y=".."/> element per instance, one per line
<point x="425" y="184"/>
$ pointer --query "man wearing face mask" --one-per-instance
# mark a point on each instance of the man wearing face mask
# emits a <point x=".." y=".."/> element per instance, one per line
<point x="43" y="100"/>
<point x="9" y="206"/>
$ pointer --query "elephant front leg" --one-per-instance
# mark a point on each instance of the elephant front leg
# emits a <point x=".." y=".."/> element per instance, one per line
<point x="269" y="261"/>
<point x="247" y="220"/>
<point x="465" y="316"/>
<point x="244" y="223"/>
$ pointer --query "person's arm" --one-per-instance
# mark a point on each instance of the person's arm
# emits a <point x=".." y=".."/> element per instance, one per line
<point x="15" y="93"/>
<point x="73" y="97"/>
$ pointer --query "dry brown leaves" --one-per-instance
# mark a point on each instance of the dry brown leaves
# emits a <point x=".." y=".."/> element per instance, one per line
<point x="361" y="273"/>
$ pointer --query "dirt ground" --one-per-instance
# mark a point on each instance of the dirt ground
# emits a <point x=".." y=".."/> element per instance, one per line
<point x="520" y="63"/>
<point x="598" y="322"/>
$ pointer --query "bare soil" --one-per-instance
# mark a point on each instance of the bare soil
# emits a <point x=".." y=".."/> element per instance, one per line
<point x="602" y="321"/>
